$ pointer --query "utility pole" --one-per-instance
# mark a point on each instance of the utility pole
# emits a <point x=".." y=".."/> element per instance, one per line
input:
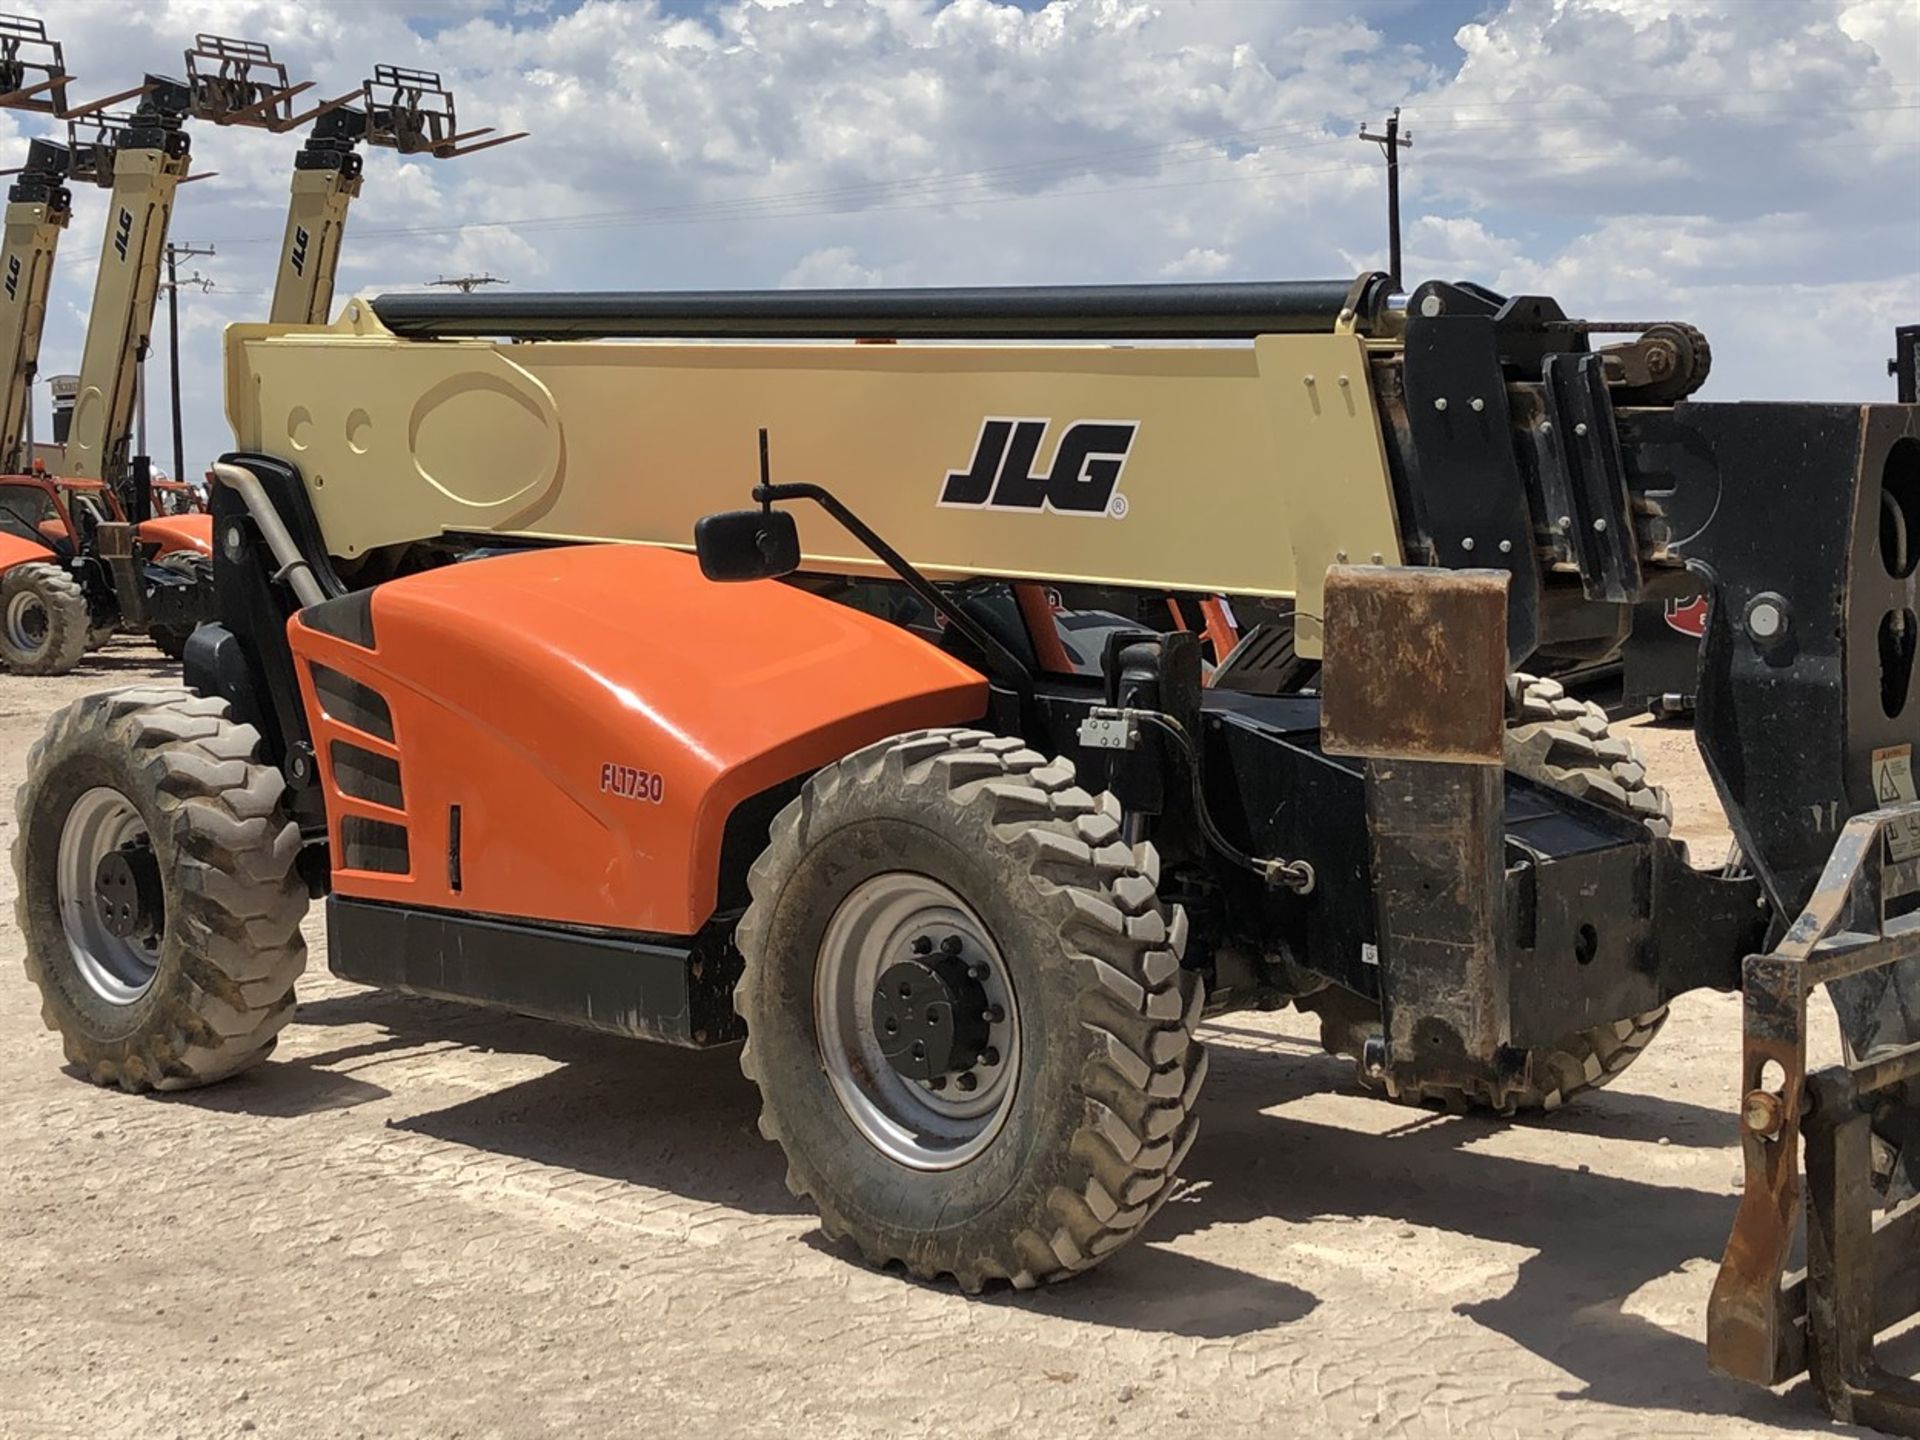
<point x="467" y="284"/>
<point x="1391" y="144"/>
<point x="176" y="252"/>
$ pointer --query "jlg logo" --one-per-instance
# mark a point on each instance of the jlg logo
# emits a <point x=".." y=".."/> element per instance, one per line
<point x="13" y="277"/>
<point x="1084" y="478"/>
<point x="123" y="233"/>
<point x="299" y="257"/>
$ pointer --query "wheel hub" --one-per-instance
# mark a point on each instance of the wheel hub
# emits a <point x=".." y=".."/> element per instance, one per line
<point x="931" y="1012"/>
<point x="111" y="896"/>
<point x="127" y="889"/>
<point x="27" y="622"/>
<point x="903" y="950"/>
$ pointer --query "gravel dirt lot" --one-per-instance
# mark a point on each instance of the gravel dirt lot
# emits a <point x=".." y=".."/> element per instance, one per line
<point x="420" y="1220"/>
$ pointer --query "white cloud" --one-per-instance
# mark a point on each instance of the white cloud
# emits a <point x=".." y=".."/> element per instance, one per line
<point x="1748" y="166"/>
<point x="835" y="268"/>
<point x="1199" y="263"/>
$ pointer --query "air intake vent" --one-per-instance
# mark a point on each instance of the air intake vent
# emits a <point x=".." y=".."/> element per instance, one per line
<point x="367" y="776"/>
<point x="352" y="704"/>
<point x="373" y="845"/>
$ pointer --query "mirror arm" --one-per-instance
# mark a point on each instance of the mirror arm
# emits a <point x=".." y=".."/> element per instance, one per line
<point x="1002" y="661"/>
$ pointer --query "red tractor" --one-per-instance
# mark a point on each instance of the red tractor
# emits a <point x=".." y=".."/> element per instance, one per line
<point x="65" y="586"/>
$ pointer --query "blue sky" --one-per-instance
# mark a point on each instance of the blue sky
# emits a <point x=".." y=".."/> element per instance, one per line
<point x="1750" y="165"/>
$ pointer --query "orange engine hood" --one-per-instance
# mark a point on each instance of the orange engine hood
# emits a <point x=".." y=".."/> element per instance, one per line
<point x="595" y="714"/>
<point x="179" y="532"/>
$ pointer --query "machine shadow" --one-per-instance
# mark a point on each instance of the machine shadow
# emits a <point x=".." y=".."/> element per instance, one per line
<point x="1607" y="1115"/>
<point x="682" y="1121"/>
<point x="1146" y="1287"/>
<point x="277" y="1090"/>
<point x="129" y="652"/>
<point x="601" y="1113"/>
<point x="1595" y="1239"/>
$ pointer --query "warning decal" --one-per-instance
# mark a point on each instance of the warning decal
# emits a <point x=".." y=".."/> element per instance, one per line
<point x="1893" y="785"/>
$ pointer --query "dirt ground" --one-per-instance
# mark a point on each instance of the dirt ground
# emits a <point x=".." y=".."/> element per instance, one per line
<point x="419" y="1220"/>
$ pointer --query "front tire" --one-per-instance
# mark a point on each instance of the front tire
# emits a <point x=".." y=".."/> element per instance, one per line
<point x="1016" y="880"/>
<point x="43" y="620"/>
<point x="157" y="891"/>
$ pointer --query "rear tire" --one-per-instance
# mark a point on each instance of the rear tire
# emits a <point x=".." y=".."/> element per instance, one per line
<point x="43" y="620"/>
<point x="193" y="979"/>
<point x="1097" y="1112"/>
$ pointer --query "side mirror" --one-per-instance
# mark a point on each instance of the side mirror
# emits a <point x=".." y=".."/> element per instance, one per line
<point x="747" y="544"/>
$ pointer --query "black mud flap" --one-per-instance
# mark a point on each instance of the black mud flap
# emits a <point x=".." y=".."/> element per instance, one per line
<point x="1860" y="936"/>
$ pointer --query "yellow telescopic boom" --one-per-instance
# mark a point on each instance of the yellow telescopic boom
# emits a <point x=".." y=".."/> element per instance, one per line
<point x="38" y="208"/>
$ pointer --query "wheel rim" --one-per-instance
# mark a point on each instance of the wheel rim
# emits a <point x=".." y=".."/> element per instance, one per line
<point x="26" y="622"/>
<point x="911" y="1121"/>
<point x="119" y="969"/>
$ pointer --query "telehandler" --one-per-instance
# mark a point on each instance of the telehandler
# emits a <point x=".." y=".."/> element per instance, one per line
<point x="1054" y="692"/>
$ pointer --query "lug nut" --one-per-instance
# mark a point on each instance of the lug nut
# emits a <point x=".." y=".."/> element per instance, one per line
<point x="993" y="1014"/>
<point x="950" y="945"/>
<point x="977" y="971"/>
<point x="968" y="1081"/>
<point x="938" y="1082"/>
<point x="922" y="945"/>
<point x="990" y="1057"/>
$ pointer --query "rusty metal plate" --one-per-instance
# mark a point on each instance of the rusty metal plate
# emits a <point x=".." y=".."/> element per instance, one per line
<point x="1416" y="664"/>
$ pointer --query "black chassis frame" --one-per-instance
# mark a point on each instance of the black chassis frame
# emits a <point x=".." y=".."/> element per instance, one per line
<point x="1602" y="919"/>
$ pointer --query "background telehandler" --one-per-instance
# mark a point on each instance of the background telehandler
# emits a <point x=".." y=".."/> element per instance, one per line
<point x="94" y="545"/>
<point x="909" y="777"/>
